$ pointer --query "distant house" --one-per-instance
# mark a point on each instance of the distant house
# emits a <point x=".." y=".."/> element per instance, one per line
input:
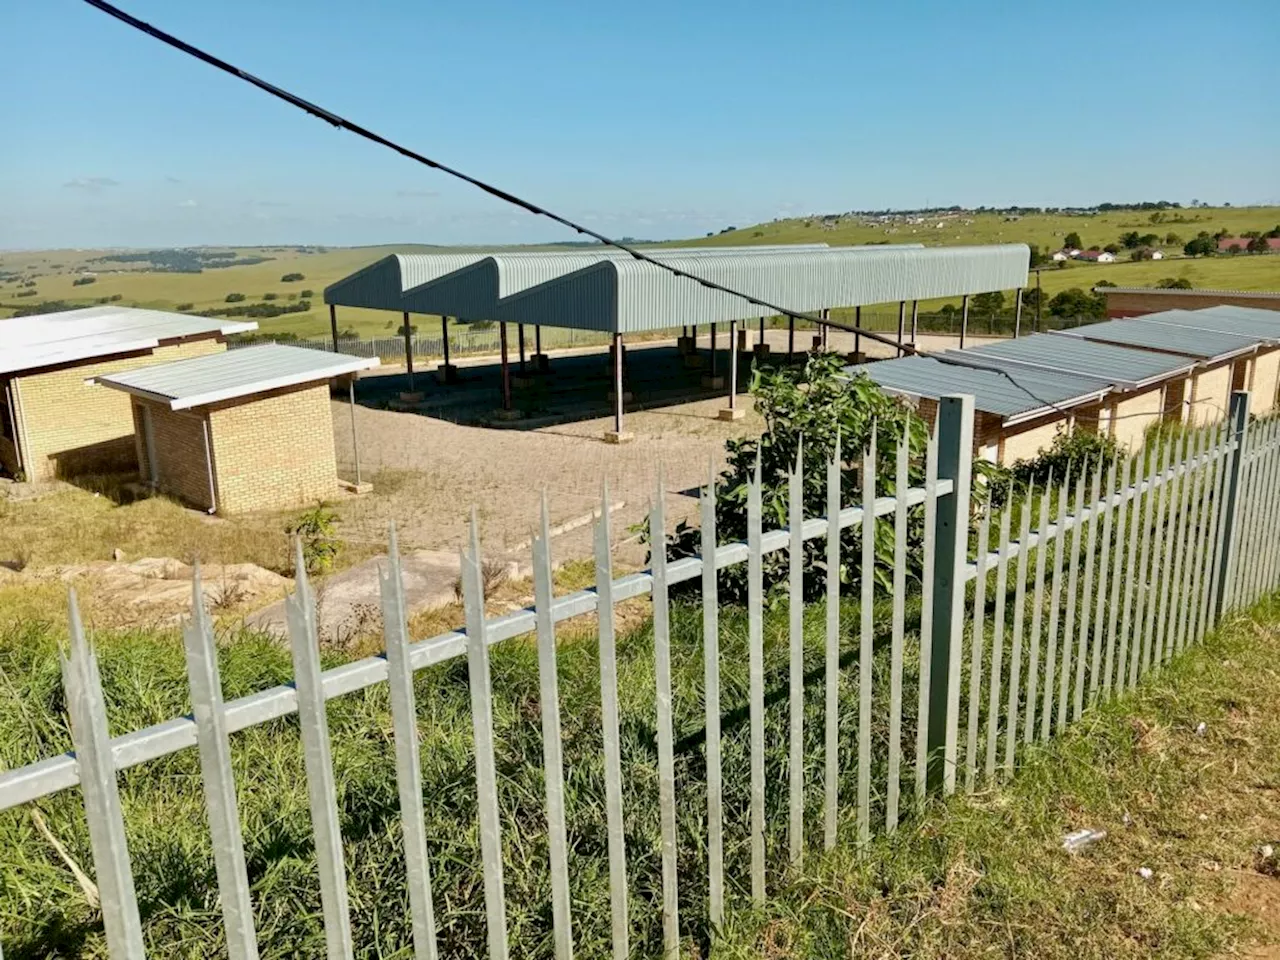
<point x="1060" y="255"/>
<point x="1096" y="256"/>
<point x="1226" y="243"/>
<point x="1157" y="255"/>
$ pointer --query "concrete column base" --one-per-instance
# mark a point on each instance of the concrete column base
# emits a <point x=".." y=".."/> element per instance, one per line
<point x="736" y="413"/>
<point x="541" y="362"/>
<point x="693" y="361"/>
<point x="618" y="436"/>
<point x="416" y="396"/>
<point x="742" y="341"/>
<point x="627" y="396"/>
<point x="350" y="486"/>
<point x="856" y="357"/>
<point x="761" y="349"/>
<point x="523" y="381"/>
<point x="711" y="382"/>
<point x="686" y="345"/>
<point x="817" y="341"/>
<point x="447" y="373"/>
<point x="508" y="414"/>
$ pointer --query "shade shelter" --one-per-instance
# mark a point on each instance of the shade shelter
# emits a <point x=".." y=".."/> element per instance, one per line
<point x="1015" y="416"/>
<point x="250" y="429"/>
<point x="53" y="420"/>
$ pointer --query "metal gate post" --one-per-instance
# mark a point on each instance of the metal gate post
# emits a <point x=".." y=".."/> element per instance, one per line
<point x="955" y="463"/>
<point x="1238" y="427"/>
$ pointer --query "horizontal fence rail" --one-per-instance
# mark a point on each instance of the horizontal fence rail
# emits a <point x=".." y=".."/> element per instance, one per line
<point x="1115" y="569"/>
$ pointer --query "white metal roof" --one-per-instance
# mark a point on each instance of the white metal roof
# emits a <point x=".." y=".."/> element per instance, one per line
<point x="199" y="381"/>
<point x="629" y="296"/>
<point x="47" y="339"/>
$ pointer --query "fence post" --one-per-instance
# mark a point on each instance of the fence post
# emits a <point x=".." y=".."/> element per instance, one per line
<point x="955" y="463"/>
<point x="1237" y="424"/>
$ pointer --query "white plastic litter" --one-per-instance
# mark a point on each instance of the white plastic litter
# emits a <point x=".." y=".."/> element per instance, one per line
<point x="1146" y="873"/>
<point x="1201" y="727"/>
<point x="1077" y="840"/>
<point x="1267" y="851"/>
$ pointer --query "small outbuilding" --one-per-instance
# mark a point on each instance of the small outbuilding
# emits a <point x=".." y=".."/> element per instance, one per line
<point x="249" y="429"/>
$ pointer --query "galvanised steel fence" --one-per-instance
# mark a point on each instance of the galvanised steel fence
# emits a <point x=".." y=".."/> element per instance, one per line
<point x="1153" y="551"/>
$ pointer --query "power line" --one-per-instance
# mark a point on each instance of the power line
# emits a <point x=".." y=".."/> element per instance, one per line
<point x="344" y="124"/>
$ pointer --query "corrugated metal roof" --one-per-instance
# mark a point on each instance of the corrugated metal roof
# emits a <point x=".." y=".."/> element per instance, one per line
<point x="1178" y="292"/>
<point x="1014" y="397"/>
<point x="1260" y="325"/>
<point x="1139" y="332"/>
<point x="468" y="284"/>
<point x="237" y="373"/>
<point x="630" y="296"/>
<point x="1127" y="368"/>
<point x="67" y="336"/>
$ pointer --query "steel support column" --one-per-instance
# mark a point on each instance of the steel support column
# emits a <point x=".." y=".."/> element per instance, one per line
<point x="333" y="324"/>
<point x="444" y="336"/>
<point x="964" y="319"/>
<point x="902" y="322"/>
<point x="408" y="348"/>
<point x="733" y="364"/>
<point x="617" y="384"/>
<point x="915" y="320"/>
<point x="1017" y="313"/>
<point x="355" y="436"/>
<point x="506" y="366"/>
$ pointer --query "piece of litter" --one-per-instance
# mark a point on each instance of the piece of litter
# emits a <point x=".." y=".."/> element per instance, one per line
<point x="1267" y="851"/>
<point x="1077" y="840"/>
<point x="1204" y="816"/>
<point x="1146" y="873"/>
<point x="1201" y="727"/>
<point x="1127" y="820"/>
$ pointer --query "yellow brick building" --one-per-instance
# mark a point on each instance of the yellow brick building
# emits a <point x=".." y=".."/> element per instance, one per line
<point x="242" y="431"/>
<point x="54" y="420"/>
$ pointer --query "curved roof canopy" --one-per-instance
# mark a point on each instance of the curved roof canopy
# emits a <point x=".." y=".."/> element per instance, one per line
<point x="627" y="296"/>
<point x="387" y="283"/>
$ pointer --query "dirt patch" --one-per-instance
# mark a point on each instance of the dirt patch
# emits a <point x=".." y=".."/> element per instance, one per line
<point x="1257" y="897"/>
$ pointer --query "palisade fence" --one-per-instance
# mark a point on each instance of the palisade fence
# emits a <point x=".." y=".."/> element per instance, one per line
<point x="812" y="743"/>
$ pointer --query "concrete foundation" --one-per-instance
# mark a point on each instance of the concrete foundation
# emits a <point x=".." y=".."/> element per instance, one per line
<point x="508" y="414"/>
<point x="735" y="414"/>
<point x="761" y="350"/>
<point x="626" y="396"/>
<point x="417" y="396"/>
<point x="523" y="381"/>
<point x="447" y="373"/>
<point x="693" y="361"/>
<point x="715" y="382"/>
<point x="686" y="345"/>
<point x="541" y="362"/>
<point x="351" y="486"/>
<point x="618" y="436"/>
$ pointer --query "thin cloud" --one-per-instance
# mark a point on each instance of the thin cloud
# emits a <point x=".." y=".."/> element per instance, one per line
<point x="267" y="203"/>
<point x="417" y="193"/>
<point x="172" y="180"/>
<point x="91" y="184"/>
<point x="188" y="203"/>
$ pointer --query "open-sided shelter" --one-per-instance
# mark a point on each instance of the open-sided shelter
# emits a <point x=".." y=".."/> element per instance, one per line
<point x="249" y="429"/>
<point x="53" y="420"/>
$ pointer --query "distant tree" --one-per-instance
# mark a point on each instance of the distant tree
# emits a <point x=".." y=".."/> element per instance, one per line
<point x="270" y="296"/>
<point x="184" y="307"/>
<point x="83" y="281"/>
<point x="988" y="304"/>
<point x="1234" y="249"/>
<point x="1037" y="258"/>
<point x="1201" y="246"/>
<point x="307" y="294"/>
<point x="1076" y="303"/>
<point x="1172" y="239"/>
<point x="1274" y="232"/>
<point x="1073" y="241"/>
<point x="1130" y="239"/>
<point x="1112" y="249"/>
<point x="291" y="277"/>
<point x="1149" y="240"/>
<point x="234" y="297"/>
<point x="1032" y="297"/>
<point x="1171" y="283"/>
<point x="1105" y="283"/>
<point x="1258" y="245"/>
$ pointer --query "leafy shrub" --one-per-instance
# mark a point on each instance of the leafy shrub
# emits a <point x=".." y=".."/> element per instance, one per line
<point x="316" y="529"/>
<point x="26" y="293"/>
<point x="292" y="277"/>
<point x="1069" y="453"/>
<point x="83" y="281"/>
<point x="307" y="294"/>
<point x="1172" y="283"/>
<point x="234" y="297"/>
<point x="270" y="296"/>
<point x="816" y="402"/>
<point x="184" y="307"/>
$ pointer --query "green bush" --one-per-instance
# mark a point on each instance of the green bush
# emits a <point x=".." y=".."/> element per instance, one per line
<point x="292" y="277"/>
<point x="316" y="529"/>
<point x="307" y="294"/>
<point x="234" y="297"/>
<point x="270" y="296"/>
<point x="83" y="281"/>
<point x="1069" y="453"/>
<point x="184" y="307"/>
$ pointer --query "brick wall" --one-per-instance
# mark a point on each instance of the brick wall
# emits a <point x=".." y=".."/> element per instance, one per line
<point x="1135" y="304"/>
<point x="177" y="436"/>
<point x="274" y="451"/>
<point x="1025" y="441"/>
<point x="1210" y="395"/>
<point x="1266" y="381"/>
<point x="1133" y="413"/>
<point x="73" y="427"/>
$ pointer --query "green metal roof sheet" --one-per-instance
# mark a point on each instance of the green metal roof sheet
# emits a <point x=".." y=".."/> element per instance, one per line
<point x="1205" y="345"/>
<point x="1126" y="368"/>
<point x="1260" y="325"/>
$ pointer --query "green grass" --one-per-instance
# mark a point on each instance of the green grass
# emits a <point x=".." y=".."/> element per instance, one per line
<point x="977" y="877"/>
<point x="56" y="269"/>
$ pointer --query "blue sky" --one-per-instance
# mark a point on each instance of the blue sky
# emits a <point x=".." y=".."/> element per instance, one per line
<point x="656" y="119"/>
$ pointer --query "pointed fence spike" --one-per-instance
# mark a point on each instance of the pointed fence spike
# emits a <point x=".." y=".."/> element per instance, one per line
<point x="665" y="731"/>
